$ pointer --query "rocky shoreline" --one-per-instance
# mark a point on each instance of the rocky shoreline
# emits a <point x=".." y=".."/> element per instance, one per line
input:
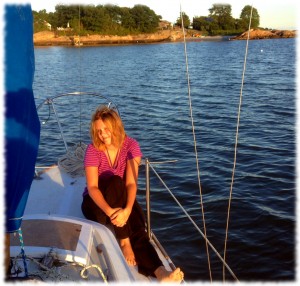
<point x="48" y="38"/>
<point x="258" y="34"/>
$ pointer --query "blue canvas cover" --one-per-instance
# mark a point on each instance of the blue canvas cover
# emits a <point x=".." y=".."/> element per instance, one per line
<point x="22" y="127"/>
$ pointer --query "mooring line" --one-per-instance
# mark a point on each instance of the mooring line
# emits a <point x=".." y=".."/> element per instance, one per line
<point x="236" y="143"/>
<point x="195" y="143"/>
<point x="192" y="221"/>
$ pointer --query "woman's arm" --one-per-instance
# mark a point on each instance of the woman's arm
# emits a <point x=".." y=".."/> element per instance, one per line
<point x="94" y="192"/>
<point x="132" y="172"/>
<point x="120" y="217"/>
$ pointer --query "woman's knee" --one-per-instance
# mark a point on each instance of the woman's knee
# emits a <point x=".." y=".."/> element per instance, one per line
<point x="91" y="211"/>
<point x="114" y="182"/>
<point x="115" y="194"/>
<point x="117" y="183"/>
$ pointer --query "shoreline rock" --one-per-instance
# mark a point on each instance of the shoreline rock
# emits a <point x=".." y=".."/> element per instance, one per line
<point x="259" y="34"/>
<point x="48" y="38"/>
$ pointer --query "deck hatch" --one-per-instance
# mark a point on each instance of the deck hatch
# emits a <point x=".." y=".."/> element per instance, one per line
<point x="48" y="233"/>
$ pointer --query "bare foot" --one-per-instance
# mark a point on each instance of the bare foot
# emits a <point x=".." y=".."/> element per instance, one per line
<point x="127" y="251"/>
<point x="163" y="275"/>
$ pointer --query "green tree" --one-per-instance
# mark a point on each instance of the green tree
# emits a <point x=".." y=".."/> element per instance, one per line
<point x="95" y="19"/>
<point x="53" y="20"/>
<point x="221" y="13"/>
<point x="39" y="20"/>
<point x="185" y="19"/>
<point x="202" y="23"/>
<point x="66" y="13"/>
<point x="115" y="13"/>
<point x="127" y="20"/>
<point x="245" y="17"/>
<point x="145" y="19"/>
<point x="40" y="16"/>
<point x="108" y="19"/>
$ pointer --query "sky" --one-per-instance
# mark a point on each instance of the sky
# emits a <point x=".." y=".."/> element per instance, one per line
<point x="275" y="14"/>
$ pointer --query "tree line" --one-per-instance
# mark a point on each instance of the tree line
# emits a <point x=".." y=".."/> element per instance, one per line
<point x="101" y="19"/>
<point x="220" y="20"/>
<point x="112" y="19"/>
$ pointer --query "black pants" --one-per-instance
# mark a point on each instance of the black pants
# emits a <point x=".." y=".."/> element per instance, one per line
<point x="115" y="194"/>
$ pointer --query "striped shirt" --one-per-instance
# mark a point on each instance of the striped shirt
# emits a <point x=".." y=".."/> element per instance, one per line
<point x="95" y="158"/>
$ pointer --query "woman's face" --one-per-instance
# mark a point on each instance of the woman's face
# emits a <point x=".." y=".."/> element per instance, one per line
<point x="103" y="132"/>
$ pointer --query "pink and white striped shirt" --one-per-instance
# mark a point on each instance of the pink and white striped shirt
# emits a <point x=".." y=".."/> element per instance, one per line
<point x="95" y="158"/>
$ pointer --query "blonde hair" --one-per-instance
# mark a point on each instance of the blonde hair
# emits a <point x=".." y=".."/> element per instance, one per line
<point x="113" y="122"/>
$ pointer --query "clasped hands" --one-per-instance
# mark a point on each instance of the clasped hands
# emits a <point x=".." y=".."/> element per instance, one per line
<point x="119" y="217"/>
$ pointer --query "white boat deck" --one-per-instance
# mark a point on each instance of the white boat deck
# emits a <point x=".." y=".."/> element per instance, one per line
<point x="62" y="193"/>
<point x="53" y="221"/>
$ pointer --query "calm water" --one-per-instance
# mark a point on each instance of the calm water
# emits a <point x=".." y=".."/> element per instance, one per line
<point x="149" y="84"/>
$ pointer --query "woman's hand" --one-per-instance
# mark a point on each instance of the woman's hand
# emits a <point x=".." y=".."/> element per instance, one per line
<point x="120" y="217"/>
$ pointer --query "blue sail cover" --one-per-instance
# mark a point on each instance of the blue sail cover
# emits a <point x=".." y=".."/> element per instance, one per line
<point x="22" y="127"/>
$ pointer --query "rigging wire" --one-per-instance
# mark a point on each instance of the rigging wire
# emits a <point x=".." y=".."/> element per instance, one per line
<point x="191" y="220"/>
<point x="195" y="143"/>
<point x="236" y="142"/>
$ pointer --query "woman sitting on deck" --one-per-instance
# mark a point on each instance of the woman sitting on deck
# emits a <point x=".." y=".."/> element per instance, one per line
<point x="111" y="165"/>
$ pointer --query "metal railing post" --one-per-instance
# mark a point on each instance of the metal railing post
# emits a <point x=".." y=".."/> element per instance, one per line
<point x="59" y="125"/>
<point x="148" y="197"/>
